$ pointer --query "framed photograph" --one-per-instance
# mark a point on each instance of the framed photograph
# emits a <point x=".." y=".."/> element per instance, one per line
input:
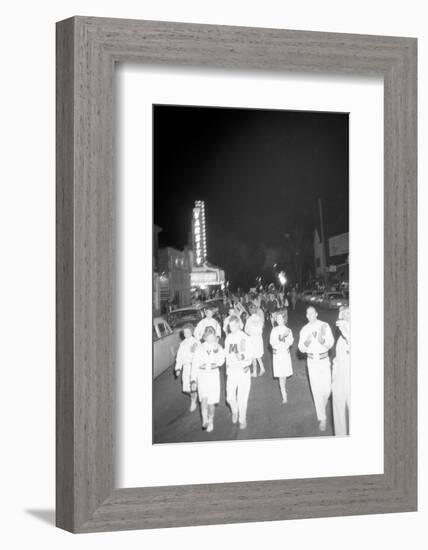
<point x="234" y="206"/>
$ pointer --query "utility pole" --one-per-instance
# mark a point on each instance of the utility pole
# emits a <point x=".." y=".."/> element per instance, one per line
<point x="324" y="250"/>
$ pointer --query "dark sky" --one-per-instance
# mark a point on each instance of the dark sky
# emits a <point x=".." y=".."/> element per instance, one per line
<point x="260" y="173"/>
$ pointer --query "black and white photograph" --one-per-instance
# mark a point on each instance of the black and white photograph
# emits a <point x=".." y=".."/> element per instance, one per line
<point x="243" y="177"/>
<point x="251" y="313"/>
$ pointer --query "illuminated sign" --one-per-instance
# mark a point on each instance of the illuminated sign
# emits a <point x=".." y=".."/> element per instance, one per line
<point x="206" y="278"/>
<point x="199" y="237"/>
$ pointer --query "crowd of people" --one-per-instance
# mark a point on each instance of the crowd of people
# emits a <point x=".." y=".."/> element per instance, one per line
<point x="235" y="339"/>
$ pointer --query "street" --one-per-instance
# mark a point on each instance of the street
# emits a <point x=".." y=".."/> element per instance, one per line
<point x="267" y="417"/>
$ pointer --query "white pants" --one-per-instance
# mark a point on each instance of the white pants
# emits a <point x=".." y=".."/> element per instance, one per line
<point x="209" y="386"/>
<point x="237" y="392"/>
<point x="340" y="389"/>
<point x="320" y="379"/>
<point x="185" y="377"/>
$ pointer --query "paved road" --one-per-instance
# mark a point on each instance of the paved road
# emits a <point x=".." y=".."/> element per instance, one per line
<point x="267" y="417"/>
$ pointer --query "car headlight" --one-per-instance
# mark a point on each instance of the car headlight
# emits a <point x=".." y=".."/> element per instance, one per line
<point x="339" y="303"/>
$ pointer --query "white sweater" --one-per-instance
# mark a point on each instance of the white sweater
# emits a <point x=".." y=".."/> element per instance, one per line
<point x="238" y="349"/>
<point x="203" y="324"/>
<point x="186" y="352"/>
<point x="206" y="357"/>
<point x="310" y="332"/>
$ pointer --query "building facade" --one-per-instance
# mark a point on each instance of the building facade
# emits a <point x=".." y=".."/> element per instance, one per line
<point x="204" y="275"/>
<point x="174" y="277"/>
<point x="156" y="304"/>
<point x="331" y="263"/>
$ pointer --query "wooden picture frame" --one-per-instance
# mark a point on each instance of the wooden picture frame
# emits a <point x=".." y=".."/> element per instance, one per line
<point x="87" y="50"/>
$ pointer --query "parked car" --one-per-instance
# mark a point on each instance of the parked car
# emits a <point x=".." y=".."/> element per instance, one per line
<point x="334" y="300"/>
<point x="319" y="299"/>
<point x="165" y="345"/>
<point x="177" y="318"/>
<point x="215" y="304"/>
<point x="305" y="295"/>
<point x="314" y="298"/>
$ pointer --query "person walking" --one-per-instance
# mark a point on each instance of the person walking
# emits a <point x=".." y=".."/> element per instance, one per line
<point x="207" y="321"/>
<point x="224" y="307"/>
<point x="239" y="355"/>
<point x="315" y="341"/>
<point x="259" y="311"/>
<point x="241" y="311"/>
<point x="183" y="363"/>
<point x="254" y="329"/>
<point x="232" y="313"/>
<point x="340" y="386"/>
<point x="271" y="307"/>
<point x="205" y="376"/>
<point x="281" y="339"/>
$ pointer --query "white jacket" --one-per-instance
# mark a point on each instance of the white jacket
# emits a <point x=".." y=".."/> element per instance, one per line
<point x="254" y="325"/>
<point x="186" y="352"/>
<point x="203" y="324"/>
<point x="310" y="332"/>
<point x="206" y="357"/>
<point x="239" y="350"/>
<point x="279" y="341"/>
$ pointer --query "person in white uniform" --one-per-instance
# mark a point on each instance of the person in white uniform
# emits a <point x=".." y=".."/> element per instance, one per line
<point x="315" y="340"/>
<point x="281" y="339"/>
<point x="232" y="313"/>
<point x="340" y="386"/>
<point x="205" y="376"/>
<point x="183" y="363"/>
<point x="259" y="310"/>
<point x="254" y="329"/>
<point x="207" y="321"/>
<point x="239" y="355"/>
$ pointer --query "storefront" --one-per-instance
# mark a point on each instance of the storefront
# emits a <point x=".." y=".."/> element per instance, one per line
<point x="206" y="278"/>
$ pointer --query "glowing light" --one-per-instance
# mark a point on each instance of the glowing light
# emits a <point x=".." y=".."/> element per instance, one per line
<point x="282" y="278"/>
<point x="199" y="233"/>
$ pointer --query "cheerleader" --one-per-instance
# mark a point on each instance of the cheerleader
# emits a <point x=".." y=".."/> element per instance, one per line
<point x="254" y="329"/>
<point x="205" y="375"/>
<point x="232" y="313"/>
<point x="208" y="321"/>
<point x="239" y="354"/>
<point x="340" y="379"/>
<point x="281" y="339"/>
<point x="183" y="363"/>
<point x="259" y="309"/>
<point x="315" y="340"/>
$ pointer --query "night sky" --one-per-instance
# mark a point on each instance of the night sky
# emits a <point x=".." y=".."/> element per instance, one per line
<point x="260" y="173"/>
